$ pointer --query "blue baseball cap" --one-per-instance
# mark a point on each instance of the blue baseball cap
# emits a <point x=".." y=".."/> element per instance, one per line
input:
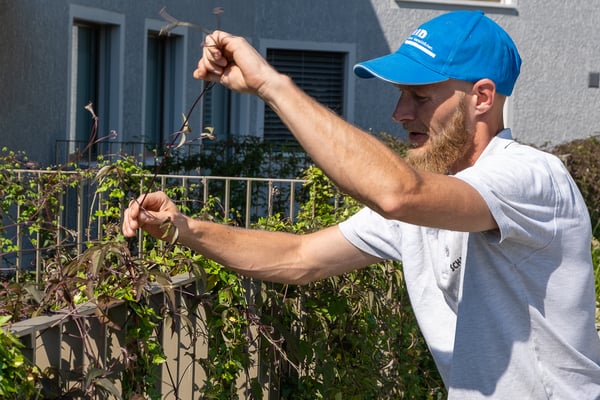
<point x="463" y="45"/>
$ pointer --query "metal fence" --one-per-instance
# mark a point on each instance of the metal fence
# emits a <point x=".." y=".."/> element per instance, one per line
<point x="240" y="201"/>
<point x="55" y="341"/>
<point x="66" y="151"/>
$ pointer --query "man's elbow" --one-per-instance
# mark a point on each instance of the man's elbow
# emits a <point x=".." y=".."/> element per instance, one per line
<point x="394" y="207"/>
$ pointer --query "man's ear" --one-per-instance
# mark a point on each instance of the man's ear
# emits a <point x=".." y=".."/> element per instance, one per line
<point x="485" y="92"/>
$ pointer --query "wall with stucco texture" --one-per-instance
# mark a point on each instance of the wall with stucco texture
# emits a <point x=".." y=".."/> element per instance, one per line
<point x="558" y="42"/>
<point x="551" y="103"/>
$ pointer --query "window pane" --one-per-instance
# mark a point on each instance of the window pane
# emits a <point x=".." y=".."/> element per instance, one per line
<point x="163" y="83"/>
<point x="154" y="89"/>
<point x="87" y="53"/>
<point x="93" y="66"/>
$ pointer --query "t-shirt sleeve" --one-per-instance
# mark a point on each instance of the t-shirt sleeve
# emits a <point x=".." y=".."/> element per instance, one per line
<point x="522" y="195"/>
<point x="373" y="234"/>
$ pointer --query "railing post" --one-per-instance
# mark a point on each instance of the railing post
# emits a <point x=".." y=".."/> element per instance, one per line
<point x="100" y="219"/>
<point x="19" y="258"/>
<point x="270" y="199"/>
<point x="80" y="225"/>
<point x="59" y="219"/>
<point x="38" y="251"/>
<point x="292" y="199"/>
<point x="140" y="233"/>
<point x="248" y="202"/>
<point x="204" y="191"/>
<point x="227" y="199"/>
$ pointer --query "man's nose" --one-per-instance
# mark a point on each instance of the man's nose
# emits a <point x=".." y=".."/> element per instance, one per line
<point x="405" y="110"/>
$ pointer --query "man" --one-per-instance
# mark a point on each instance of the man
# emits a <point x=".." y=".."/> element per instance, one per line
<point x="494" y="236"/>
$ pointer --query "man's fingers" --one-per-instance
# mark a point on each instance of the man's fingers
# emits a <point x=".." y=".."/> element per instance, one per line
<point x="148" y="212"/>
<point x="130" y="224"/>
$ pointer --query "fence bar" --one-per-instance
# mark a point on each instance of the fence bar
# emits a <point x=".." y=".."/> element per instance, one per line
<point x="204" y="191"/>
<point x="270" y="199"/>
<point x="100" y="219"/>
<point x="38" y="251"/>
<point x="59" y="220"/>
<point x="227" y="199"/>
<point x="140" y="234"/>
<point x="79" y="201"/>
<point x="19" y="259"/>
<point x="248" y="202"/>
<point x="292" y="200"/>
<point x="80" y="225"/>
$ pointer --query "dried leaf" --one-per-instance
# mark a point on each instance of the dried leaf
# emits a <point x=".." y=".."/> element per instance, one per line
<point x="104" y="172"/>
<point x="186" y="124"/>
<point x="94" y="373"/>
<point x="90" y="108"/>
<point x="164" y="280"/>
<point x="173" y="23"/>
<point x="96" y="256"/>
<point x="200" y="273"/>
<point x="109" y="386"/>
<point x="170" y="231"/>
<point x="33" y="291"/>
<point x="182" y="139"/>
<point x="208" y="133"/>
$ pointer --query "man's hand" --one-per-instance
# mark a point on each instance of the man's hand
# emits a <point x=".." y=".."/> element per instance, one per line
<point x="234" y="63"/>
<point x="156" y="215"/>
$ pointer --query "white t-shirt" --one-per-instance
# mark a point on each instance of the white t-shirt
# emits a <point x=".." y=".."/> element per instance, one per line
<point x="507" y="314"/>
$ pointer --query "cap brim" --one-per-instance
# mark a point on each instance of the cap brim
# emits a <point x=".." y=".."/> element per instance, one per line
<point x="398" y="69"/>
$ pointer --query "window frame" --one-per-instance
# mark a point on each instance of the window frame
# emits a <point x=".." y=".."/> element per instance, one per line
<point x="180" y="70"/>
<point x="490" y="5"/>
<point x="349" y="49"/>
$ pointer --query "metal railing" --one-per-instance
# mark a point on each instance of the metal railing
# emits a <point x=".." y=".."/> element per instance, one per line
<point x="242" y="201"/>
<point x="66" y="151"/>
<point x="54" y="340"/>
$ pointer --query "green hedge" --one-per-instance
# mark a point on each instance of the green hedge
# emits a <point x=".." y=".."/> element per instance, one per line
<point x="348" y="337"/>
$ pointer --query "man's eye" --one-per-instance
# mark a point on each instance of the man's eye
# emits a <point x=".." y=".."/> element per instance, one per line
<point x="421" y="99"/>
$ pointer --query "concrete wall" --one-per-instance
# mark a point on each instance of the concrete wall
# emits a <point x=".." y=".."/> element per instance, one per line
<point x="551" y="103"/>
<point x="558" y="42"/>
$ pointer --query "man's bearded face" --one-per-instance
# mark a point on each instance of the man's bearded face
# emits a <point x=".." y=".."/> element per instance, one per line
<point x="444" y="147"/>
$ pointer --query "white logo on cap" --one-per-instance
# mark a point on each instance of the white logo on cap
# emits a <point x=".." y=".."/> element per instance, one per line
<point x="416" y="40"/>
<point x="420" y="33"/>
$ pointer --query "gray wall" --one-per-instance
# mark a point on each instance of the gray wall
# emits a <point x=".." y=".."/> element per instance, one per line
<point x="551" y="103"/>
<point x="559" y="43"/>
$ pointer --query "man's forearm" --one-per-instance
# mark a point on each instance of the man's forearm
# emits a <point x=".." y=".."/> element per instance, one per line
<point x="273" y="256"/>
<point x="360" y="164"/>
<point x="253" y="253"/>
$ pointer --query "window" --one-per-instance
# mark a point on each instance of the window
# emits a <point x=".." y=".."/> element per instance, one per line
<point x="321" y="74"/>
<point x="217" y="111"/>
<point x="479" y="4"/>
<point x="226" y="112"/>
<point x="163" y="87"/>
<point x="95" y="76"/>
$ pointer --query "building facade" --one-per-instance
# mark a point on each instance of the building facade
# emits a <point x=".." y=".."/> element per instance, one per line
<point x="58" y="56"/>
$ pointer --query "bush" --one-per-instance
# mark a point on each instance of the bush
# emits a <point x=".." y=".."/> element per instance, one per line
<point x="581" y="158"/>
<point x="347" y="337"/>
<point x="18" y="377"/>
<point x="352" y="336"/>
<point x="319" y="344"/>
